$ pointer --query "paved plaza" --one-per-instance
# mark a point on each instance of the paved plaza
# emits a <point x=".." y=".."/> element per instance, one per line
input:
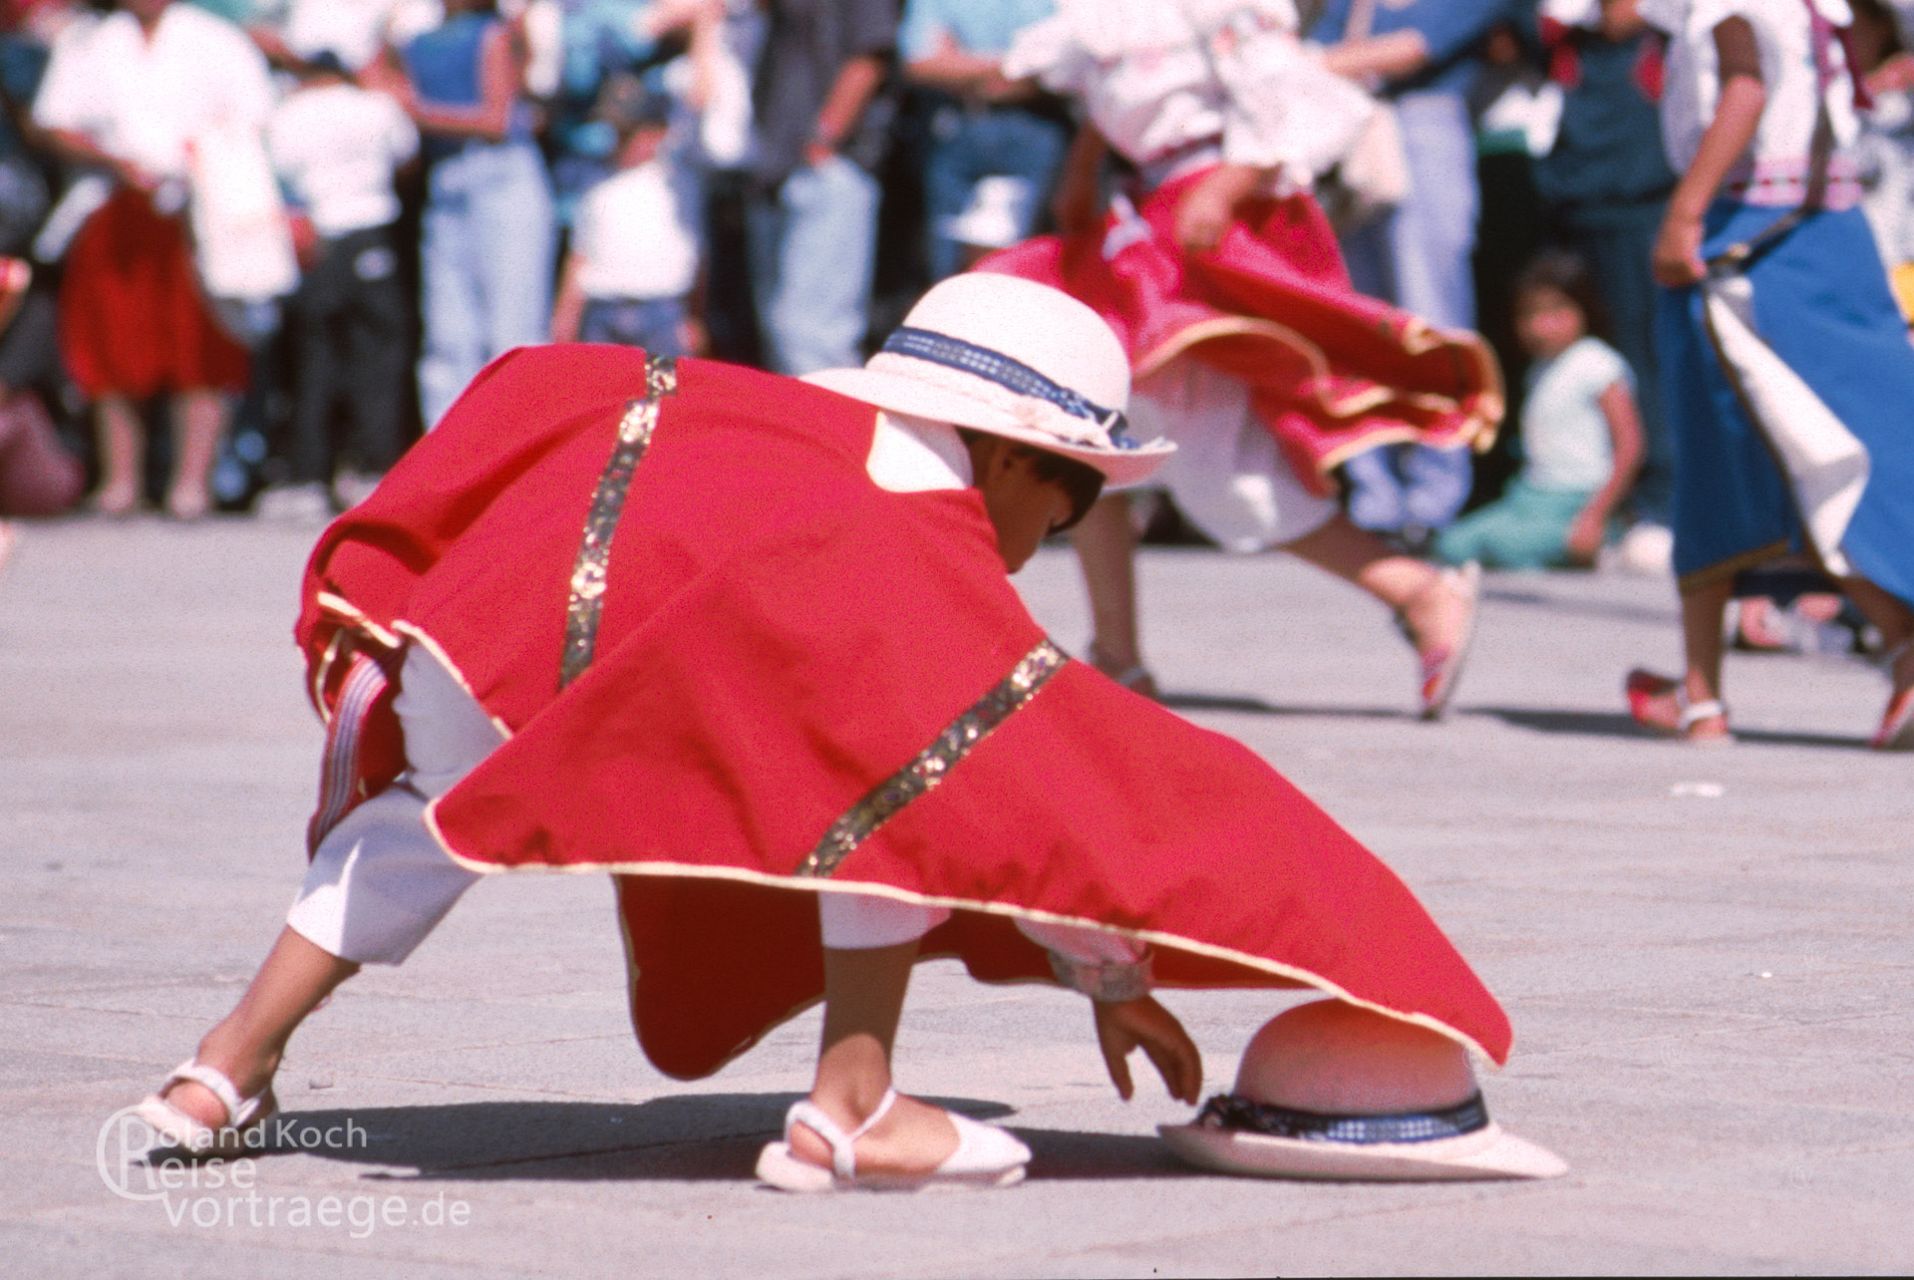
<point x="1705" y="953"/>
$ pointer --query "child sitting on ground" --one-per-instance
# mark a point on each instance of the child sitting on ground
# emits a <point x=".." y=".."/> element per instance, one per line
<point x="1581" y="433"/>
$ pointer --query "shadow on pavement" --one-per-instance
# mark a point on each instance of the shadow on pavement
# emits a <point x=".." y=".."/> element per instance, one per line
<point x="1257" y="706"/>
<point x="1619" y="724"/>
<point x="703" y="1137"/>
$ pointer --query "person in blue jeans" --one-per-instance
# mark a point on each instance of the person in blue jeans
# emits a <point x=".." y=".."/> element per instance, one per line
<point x="1422" y="57"/>
<point x="981" y="124"/>
<point x="489" y="238"/>
<point x="811" y="216"/>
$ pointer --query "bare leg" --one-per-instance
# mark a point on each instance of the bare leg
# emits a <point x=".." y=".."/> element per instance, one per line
<point x="1896" y="623"/>
<point x="1407" y="585"/>
<point x="122" y="440"/>
<point x="199" y="420"/>
<point x="250" y="1041"/>
<point x="863" y="999"/>
<point x="1106" y="548"/>
<point x="1702" y="610"/>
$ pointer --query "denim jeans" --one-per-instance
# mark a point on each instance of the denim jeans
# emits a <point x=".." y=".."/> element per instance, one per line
<point x="969" y="146"/>
<point x="656" y="324"/>
<point x="1419" y="257"/>
<point x="813" y="246"/>
<point x="488" y="254"/>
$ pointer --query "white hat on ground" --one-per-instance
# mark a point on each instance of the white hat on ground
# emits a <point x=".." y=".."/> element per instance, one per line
<point x="1327" y="1090"/>
<point x="1011" y="358"/>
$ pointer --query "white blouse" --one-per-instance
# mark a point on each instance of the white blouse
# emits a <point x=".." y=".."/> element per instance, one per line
<point x="144" y="100"/>
<point x="1177" y="84"/>
<point x="1775" y="169"/>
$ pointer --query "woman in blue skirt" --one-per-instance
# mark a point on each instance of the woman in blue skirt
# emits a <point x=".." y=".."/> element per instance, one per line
<point x="1787" y="372"/>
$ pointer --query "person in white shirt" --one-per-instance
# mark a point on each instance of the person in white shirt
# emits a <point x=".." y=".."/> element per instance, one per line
<point x="634" y="260"/>
<point x="130" y="96"/>
<point x="1250" y="347"/>
<point x="337" y="149"/>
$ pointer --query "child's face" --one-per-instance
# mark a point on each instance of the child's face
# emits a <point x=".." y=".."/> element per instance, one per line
<point x="640" y="145"/>
<point x="1548" y="322"/>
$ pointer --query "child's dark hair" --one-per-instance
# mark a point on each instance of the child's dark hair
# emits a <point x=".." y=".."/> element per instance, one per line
<point x="1081" y="481"/>
<point x="1567" y="274"/>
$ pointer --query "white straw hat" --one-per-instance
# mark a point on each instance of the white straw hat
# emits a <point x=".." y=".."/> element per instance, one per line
<point x="1327" y="1090"/>
<point x="1012" y="358"/>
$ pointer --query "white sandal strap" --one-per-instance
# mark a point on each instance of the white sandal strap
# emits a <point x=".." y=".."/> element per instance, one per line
<point x="1693" y="713"/>
<point x="238" y="1110"/>
<point x="843" y="1145"/>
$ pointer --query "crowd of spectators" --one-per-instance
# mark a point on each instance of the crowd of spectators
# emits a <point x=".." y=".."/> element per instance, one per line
<point x="767" y="181"/>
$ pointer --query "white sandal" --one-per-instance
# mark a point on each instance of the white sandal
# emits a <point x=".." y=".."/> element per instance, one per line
<point x="1441" y="669"/>
<point x="188" y="1134"/>
<point x="986" y="1156"/>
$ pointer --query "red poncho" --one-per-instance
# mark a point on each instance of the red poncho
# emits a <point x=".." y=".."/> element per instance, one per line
<point x="795" y="682"/>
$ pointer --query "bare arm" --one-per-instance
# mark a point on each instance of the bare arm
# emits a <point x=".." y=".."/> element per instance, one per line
<point x="1387" y="57"/>
<point x="79" y="148"/>
<point x="1744" y="96"/>
<point x="568" y="304"/>
<point x="850" y="93"/>
<point x="958" y="71"/>
<point x="501" y="75"/>
<point x="1585" y="535"/>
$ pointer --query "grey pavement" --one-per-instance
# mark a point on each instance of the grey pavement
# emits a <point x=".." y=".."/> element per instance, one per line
<point x="1705" y="954"/>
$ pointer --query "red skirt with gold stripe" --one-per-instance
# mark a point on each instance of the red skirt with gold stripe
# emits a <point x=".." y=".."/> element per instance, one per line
<point x="737" y="674"/>
<point x="1331" y="372"/>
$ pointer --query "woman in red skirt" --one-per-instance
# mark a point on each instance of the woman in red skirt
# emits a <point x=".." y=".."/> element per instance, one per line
<point x="1249" y="346"/>
<point x="128" y="96"/>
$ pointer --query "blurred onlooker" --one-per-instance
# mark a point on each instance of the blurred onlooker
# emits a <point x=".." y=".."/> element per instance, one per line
<point x="634" y="259"/>
<point x="38" y="477"/>
<point x="1581" y="433"/>
<point x="1886" y="146"/>
<point x="489" y="239"/>
<point x="1605" y="183"/>
<point x="812" y="215"/>
<point x="1422" y="57"/>
<point x="984" y="128"/>
<point x="337" y="148"/>
<point x="354" y="31"/>
<point x="131" y="97"/>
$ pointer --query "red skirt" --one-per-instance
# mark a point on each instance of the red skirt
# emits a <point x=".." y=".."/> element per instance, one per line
<point x="792" y="683"/>
<point x="132" y="319"/>
<point x="1331" y="372"/>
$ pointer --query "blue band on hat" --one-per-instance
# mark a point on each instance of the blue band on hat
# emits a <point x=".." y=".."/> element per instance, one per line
<point x="1013" y="375"/>
<point x="1241" y="1115"/>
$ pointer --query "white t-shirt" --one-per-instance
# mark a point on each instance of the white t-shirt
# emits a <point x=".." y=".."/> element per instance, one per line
<point x="335" y="147"/>
<point x="1155" y="92"/>
<point x="637" y="233"/>
<point x="1565" y="438"/>
<point x="145" y="100"/>
<point x="1777" y="162"/>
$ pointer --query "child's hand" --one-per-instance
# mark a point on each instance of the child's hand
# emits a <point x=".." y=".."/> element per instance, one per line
<point x="1585" y="537"/>
<point x="1124" y="1027"/>
<point x="1207" y="209"/>
<point x="1677" y="261"/>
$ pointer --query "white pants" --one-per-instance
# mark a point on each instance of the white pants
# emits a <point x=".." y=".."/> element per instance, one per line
<point x="380" y="883"/>
<point x="1227" y="475"/>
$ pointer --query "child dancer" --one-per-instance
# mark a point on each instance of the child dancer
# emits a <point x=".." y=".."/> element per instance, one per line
<point x="1581" y="434"/>
<point x="1785" y="364"/>
<point x="1249" y="346"/>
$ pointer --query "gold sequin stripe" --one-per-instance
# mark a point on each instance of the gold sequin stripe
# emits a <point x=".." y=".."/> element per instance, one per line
<point x="936" y="761"/>
<point x="607" y="505"/>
